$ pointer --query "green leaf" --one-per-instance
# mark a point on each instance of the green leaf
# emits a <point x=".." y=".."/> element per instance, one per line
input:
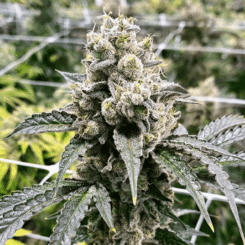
<point x="8" y="202"/>
<point x="102" y="200"/>
<point x="12" y="175"/>
<point x="186" y="142"/>
<point x="126" y="210"/>
<point x="54" y="216"/>
<point x="185" y="177"/>
<point x="71" y="215"/>
<point x="37" y="150"/>
<point x="165" y="210"/>
<point x="76" y="146"/>
<point x="81" y="236"/>
<point x="154" y="192"/>
<point x="187" y="232"/>
<point x="130" y="150"/>
<point x="166" y="237"/>
<point x="22" y="205"/>
<point x="4" y="169"/>
<point x="219" y="126"/>
<point x="54" y="121"/>
<point x="222" y="179"/>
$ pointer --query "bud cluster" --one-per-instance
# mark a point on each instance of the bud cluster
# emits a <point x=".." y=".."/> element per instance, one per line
<point x="123" y="84"/>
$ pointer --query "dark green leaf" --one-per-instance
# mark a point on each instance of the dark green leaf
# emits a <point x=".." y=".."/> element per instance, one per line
<point x="53" y="216"/>
<point x="130" y="150"/>
<point x="7" y="203"/>
<point x="165" y="210"/>
<point x="102" y="200"/>
<point x="222" y="179"/>
<point x="187" y="232"/>
<point x="81" y="235"/>
<point x="75" y="147"/>
<point x="31" y="201"/>
<point x="166" y="237"/>
<point x="126" y="210"/>
<point x="208" y="148"/>
<point x="71" y="215"/>
<point x="154" y="192"/>
<point x="185" y="177"/>
<point x="54" y="121"/>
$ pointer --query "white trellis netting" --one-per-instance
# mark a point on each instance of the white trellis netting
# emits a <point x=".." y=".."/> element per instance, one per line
<point x="164" y="45"/>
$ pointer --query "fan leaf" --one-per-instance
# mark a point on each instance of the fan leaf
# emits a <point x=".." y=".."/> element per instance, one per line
<point x="31" y="201"/>
<point x="71" y="215"/>
<point x="54" y="121"/>
<point x="102" y="200"/>
<point x="165" y="210"/>
<point x="75" y="147"/>
<point x="186" y="233"/>
<point x="221" y="178"/>
<point x="220" y="125"/>
<point x="130" y="150"/>
<point x="228" y="137"/>
<point x="166" y="237"/>
<point x="7" y="203"/>
<point x="81" y="235"/>
<point x="206" y="147"/>
<point x="185" y="177"/>
<point x="233" y="161"/>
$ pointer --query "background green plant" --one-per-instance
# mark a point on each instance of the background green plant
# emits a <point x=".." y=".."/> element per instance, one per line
<point x="190" y="69"/>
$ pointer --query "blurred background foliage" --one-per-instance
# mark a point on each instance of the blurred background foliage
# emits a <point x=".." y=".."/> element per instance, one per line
<point x="214" y="74"/>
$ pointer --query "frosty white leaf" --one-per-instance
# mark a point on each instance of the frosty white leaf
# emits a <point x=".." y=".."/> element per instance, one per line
<point x="221" y="178"/>
<point x="75" y="147"/>
<point x="27" y="203"/>
<point x="228" y="137"/>
<point x="54" y="121"/>
<point x="208" y="148"/>
<point x="73" y="77"/>
<point x="185" y="177"/>
<point x="220" y="125"/>
<point x="102" y="200"/>
<point x="233" y="161"/>
<point x="71" y="215"/>
<point x="130" y="150"/>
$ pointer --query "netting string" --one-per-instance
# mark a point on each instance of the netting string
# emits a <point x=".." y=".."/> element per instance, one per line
<point x="31" y="52"/>
<point x="171" y="35"/>
<point x="55" y="167"/>
<point x="200" y="221"/>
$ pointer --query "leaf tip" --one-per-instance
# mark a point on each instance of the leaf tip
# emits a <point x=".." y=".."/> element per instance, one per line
<point x="55" y="191"/>
<point x="113" y="229"/>
<point x="134" y="200"/>
<point x="8" y="136"/>
<point x="211" y="226"/>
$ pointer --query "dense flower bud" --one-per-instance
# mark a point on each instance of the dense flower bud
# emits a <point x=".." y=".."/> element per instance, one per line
<point x="91" y="130"/>
<point x="109" y="111"/>
<point x="130" y="66"/>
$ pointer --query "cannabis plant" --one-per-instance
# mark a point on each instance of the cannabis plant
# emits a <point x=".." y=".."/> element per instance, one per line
<point x="129" y="150"/>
